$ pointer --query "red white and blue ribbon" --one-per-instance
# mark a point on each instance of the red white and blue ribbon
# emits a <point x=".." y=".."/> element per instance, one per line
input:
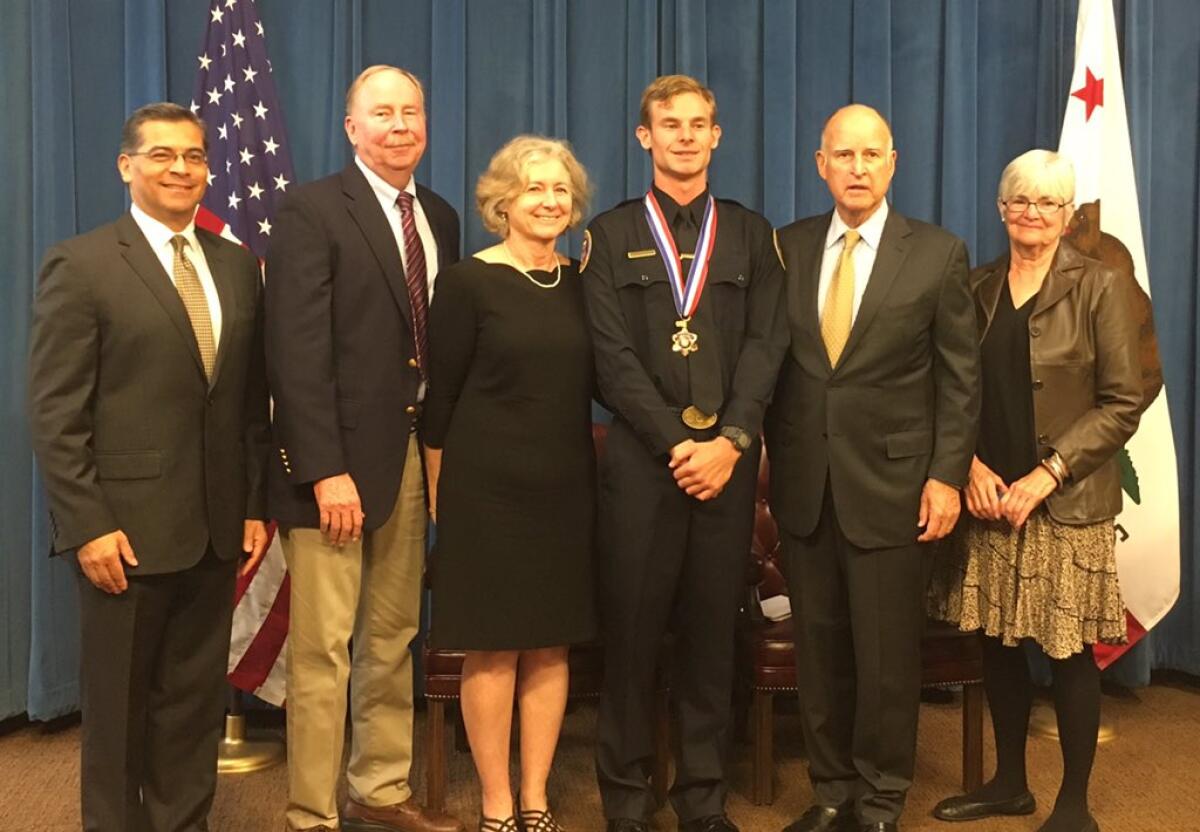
<point x="686" y="293"/>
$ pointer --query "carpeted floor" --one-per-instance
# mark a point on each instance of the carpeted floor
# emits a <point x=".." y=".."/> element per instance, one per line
<point x="1145" y="779"/>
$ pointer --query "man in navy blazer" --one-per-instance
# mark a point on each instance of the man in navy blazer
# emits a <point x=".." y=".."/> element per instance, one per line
<point x="352" y="264"/>
<point x="870" y="436"/>
<point x="148" y="410"/>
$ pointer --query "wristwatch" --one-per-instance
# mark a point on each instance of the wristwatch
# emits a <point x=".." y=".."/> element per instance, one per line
<point x="740" y="439"/>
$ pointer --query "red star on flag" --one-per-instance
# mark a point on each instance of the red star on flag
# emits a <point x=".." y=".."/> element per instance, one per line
<point x="1091" y="93"/>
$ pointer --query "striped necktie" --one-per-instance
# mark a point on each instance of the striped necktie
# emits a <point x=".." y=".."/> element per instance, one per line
<point x="187" y="283"/>
<point x="839" y="301"/>
<point x="414" y="276"/>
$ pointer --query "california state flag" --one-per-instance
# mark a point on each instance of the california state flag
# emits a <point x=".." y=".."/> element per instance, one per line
<point x="1095" y="138"/>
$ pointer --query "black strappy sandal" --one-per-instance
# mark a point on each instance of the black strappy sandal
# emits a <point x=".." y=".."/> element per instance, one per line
<point x="497" y="825"/>
<point x="538" y="820"/>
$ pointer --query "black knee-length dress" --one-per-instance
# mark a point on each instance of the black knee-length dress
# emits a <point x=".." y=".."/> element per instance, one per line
<point x="509" y="402"/>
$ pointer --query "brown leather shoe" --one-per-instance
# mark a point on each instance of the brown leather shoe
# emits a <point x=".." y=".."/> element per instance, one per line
<point x="409" y="816"/>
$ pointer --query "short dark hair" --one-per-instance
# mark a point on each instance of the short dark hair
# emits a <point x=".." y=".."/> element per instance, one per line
<point x="131" y="133"/>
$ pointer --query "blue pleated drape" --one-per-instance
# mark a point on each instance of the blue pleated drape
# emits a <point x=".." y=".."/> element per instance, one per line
<point x="968" y="84"/>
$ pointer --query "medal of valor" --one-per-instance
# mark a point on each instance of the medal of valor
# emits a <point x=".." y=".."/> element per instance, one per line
<point x="683" y="341"/>
<point x="685" y="292"/>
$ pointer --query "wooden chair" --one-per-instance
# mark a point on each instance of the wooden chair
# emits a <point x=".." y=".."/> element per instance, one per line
<point x="766" y="655"/>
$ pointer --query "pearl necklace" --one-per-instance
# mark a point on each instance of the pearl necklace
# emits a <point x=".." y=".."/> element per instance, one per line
<point x="513" y="262"/>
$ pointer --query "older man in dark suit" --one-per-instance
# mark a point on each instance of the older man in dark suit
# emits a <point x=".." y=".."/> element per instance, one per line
<point x="352" y="266"/>
<point x="870" y="436"/>
<point x="148" y="408"/>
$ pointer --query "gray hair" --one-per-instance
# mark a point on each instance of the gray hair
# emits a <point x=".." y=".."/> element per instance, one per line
<point x="505" y="178"/>
<point x="1038" y="173"/>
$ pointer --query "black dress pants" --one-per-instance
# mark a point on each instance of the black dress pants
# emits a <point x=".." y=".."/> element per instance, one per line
<point x="668" y="562"/>
<point x="858" y="616"/>
<point x="153" y="694"/>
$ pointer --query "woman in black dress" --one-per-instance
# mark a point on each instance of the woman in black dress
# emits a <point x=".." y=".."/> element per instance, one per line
<point x="511" y="471"/>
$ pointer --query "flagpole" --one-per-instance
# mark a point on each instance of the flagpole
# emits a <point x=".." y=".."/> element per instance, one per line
<point x="240" y="754"/>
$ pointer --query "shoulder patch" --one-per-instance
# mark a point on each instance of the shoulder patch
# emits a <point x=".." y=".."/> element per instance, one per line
<point x="585" y="250"/>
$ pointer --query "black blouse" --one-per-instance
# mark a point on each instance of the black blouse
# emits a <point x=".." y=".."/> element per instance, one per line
<point x="1007" y="436"/>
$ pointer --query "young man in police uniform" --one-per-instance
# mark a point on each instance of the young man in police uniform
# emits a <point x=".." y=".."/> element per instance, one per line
<point x="684" y="296"/>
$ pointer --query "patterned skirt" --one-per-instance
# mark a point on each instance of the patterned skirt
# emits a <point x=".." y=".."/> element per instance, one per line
<point x="1053" y="583"/>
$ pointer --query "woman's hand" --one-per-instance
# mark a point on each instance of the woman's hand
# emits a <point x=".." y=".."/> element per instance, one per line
<point x="985" y="492"/>
<point x="1026" y="494"/>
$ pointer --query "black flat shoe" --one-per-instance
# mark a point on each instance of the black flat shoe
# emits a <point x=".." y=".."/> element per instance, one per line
<point x="1090" y="826"/>
<point x="823" y="819"/>
<point x="963" y="807"/>
<point x="712" y="823"/>
<point x="627" y="825"/>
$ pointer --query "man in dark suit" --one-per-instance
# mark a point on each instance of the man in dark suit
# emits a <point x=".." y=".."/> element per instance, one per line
<point x="148" y="409"/>
<point x="870" y="436"/>
<point x="684" y="296"/>
<point x="352" y="265"/>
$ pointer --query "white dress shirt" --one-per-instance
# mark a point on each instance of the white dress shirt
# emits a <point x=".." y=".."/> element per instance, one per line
<point x="387" y="196"/>
<point x="159" y="238"/>
<point x="864" y="256"/>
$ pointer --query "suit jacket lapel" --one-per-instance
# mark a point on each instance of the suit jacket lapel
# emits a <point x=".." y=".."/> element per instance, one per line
<point x="1062" y="278"/>
<point x="987" y="295"/>
<point x="893" y="248"/>
<point x="441" y="235"/>
<point x="806" y="301"/>
<point x="218" y="267"/>
<point x="364" y="208"/>
<point x="141" y="259"/>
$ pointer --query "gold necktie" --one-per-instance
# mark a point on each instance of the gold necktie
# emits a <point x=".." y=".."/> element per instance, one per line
<point x="187" y="283"/>
<point x="839" y="300"/>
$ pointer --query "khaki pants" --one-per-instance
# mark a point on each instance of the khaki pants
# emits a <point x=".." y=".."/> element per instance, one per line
<point x="371" y="590"/>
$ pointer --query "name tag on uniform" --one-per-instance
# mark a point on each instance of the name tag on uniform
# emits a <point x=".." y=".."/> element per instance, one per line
<point x="649" y="252"/>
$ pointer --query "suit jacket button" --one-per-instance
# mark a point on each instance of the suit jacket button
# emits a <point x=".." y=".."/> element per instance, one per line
<point x="412" y="362"/>
<point x="411" y="409"/>
<point x="1034" y="332"/>
<point x="1037" y="384"/>
<point x="1043" y="439"/>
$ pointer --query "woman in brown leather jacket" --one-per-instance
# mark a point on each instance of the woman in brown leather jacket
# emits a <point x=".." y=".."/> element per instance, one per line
<point x="1036" y="558"/>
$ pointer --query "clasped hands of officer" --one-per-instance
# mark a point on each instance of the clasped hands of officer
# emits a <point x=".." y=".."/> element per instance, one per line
<point x="701" y="469"/>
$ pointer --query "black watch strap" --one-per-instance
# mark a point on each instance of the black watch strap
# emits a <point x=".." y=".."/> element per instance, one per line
<point x="740" y="439"/>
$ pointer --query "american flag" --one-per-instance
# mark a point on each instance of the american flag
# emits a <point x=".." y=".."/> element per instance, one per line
<point x="249" y="167"/>
<point x="249" y="170"/>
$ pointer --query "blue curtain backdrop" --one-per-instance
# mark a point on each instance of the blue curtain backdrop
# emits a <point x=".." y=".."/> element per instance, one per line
<point x="968" y="85"/>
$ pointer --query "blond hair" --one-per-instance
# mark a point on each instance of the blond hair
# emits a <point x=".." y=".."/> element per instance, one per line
<point x="505" y="178"/>
<point x="375" y="70"/>
<point x="666" y="87"/>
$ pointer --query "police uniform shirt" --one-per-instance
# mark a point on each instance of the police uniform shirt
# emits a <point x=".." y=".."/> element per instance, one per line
<point x="740" y="322"/>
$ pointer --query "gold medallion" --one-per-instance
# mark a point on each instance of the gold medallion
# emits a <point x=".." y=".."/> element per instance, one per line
<point x="697" y="419"/>
<point x="685" y="342"/>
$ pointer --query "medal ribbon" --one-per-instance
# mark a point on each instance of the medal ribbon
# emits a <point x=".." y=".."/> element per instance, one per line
<point x="686" y="293"/>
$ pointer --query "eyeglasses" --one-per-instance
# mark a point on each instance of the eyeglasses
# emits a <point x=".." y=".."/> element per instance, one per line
<point x="1045" y="206"/>
<point x="165" y="156"/>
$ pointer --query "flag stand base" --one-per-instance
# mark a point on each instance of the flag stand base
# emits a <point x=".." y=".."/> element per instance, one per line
<point x="1044" y="723"/>
<point x="239" y="755"/>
